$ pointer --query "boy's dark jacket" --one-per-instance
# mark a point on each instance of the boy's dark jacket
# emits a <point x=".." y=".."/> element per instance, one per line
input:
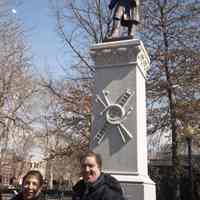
<point x="105" y="188"/>
<point x="20" y="197"/>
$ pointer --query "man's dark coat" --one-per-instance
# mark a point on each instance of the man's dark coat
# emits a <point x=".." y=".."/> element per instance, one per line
<point x="105" y="188"/>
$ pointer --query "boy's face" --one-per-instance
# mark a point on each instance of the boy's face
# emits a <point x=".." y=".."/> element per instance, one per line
<point x="30" y="188"/>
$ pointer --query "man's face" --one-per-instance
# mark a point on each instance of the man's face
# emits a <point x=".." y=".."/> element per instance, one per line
<point x="90" y="170"/>
<point x="31" y="188"/>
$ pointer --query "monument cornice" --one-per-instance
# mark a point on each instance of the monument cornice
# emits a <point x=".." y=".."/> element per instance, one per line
<point x="128" y="52"/>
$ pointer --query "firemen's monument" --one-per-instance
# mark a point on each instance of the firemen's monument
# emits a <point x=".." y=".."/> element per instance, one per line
<point x="119" y="110"/>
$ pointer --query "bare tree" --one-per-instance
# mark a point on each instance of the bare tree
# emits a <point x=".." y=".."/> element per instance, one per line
<point x="89" y="23"/>
<point x="16" y="85"/>
<point x="65" y="125"/>
<point x="67" y="118"/>
<point x="171" y="33"/>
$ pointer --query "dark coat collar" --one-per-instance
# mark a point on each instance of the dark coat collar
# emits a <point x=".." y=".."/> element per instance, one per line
<point x="20" y="197"/>
<point x="104" y="179"/>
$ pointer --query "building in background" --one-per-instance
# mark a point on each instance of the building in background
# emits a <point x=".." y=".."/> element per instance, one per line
<point x="13" y="168"/>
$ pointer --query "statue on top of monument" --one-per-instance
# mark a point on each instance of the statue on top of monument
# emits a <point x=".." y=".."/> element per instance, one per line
<point x="126" y="13"/>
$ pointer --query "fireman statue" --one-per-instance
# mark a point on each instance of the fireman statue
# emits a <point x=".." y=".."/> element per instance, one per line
<point x="126" y="14"/>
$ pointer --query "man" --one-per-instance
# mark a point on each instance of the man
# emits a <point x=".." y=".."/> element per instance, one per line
<point x="125" y="14"/>
<point x="95" y="185"/>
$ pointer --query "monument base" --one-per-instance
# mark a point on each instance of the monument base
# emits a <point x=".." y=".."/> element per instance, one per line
<point x="137" y="187"/>
<point x="119" y="114"/>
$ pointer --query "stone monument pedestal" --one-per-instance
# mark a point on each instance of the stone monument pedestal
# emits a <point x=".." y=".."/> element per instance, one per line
<point x="119" y="111"/>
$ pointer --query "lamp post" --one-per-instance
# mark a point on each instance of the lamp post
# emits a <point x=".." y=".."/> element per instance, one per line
<point x="189" y="132"/>
<point x="189" y="144"/>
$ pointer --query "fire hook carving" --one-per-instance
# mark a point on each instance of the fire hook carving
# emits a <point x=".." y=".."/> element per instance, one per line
<point x="114" y="114"/>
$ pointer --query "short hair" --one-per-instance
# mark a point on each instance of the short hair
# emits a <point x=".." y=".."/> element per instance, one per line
<point x="92" y="154"/>
<point x="35" y="173"/>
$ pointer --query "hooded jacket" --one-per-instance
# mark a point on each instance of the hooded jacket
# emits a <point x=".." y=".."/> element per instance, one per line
<point x="105" y="188"/>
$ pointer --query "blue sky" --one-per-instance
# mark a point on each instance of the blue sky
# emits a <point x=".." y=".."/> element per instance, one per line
<point x="46" y="47"/>
<point x="45" y="44"/>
